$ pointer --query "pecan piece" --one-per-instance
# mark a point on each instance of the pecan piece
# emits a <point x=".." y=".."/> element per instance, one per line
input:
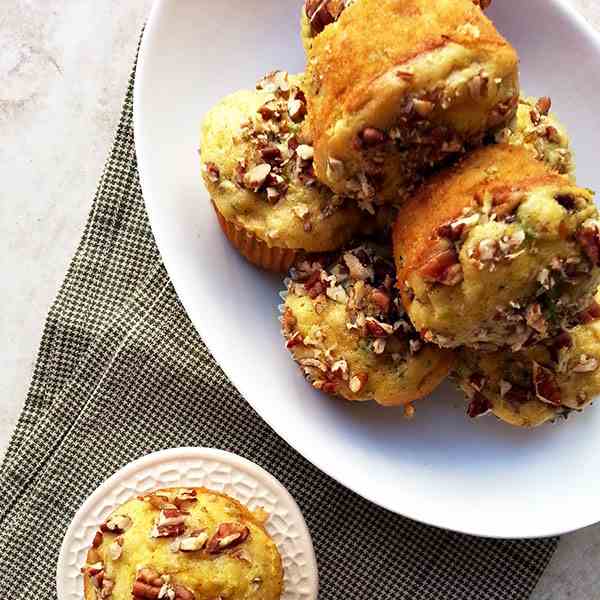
<point x="381" y="299"/>
<point x="543" y="105"/>
<point x="185" y="497"/>
<point x="323" y="13"/>
<point x="443" y="268"/>
<point x="158" y="501"/>
<point x="97" y="542"/>
<point x="314" y="286"/>
<point x="296" y="109"/>
<point x="546" y="385"/>
<point x="212" y="172"/>
<point x="228" y="535"/>
<point x="370" y="137"/>
<point x="256" y="177"/>
<point x="358" y="382"/>
<point x="592" y="313"/>
<point x="194" y="541"/>
<point x="561" y="341"/>
<point x="586" y="364"/>
<point x="378" y="329"/>
<point x="478" y="406"/>
<point x="170" y="523"/>
<point x="505" y="201"/>
<point x="117" y="524"/>
<point x="589" y="238"/>
<point x="271" y="154"/>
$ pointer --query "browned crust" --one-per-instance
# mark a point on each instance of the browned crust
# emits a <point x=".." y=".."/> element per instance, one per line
<point x="444" y="197"/>
<point x="253" y="249"/>
<point x="374" y="37"/>
<point x="89" y="592"/>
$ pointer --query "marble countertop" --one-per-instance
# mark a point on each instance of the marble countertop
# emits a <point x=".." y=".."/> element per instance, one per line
<point x="64" y="68"/>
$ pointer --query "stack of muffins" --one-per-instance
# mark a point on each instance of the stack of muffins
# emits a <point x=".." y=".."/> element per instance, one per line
<point x="425" y="210"/>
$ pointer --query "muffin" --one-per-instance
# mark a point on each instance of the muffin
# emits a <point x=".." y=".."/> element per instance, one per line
<point x="539" y="383"/>
<point x="345" y="327"/>
<point x="257" y="163"/>
<point x="498" y="251"/>
<point x="538" y="130"/>
<point x="318" y="14"/>
<point x="183" y="544"/>
<point x="395" y="87"/>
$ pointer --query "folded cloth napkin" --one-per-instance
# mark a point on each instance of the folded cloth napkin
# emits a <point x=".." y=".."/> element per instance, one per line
<point x="121" y="372"/>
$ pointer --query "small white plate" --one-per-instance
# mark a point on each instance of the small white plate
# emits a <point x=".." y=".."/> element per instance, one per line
<point x="196" y="467"/>
<point x="481" y="478"/>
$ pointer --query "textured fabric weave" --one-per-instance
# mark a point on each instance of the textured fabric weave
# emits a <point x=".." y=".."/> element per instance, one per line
<point x="121" y="372"/>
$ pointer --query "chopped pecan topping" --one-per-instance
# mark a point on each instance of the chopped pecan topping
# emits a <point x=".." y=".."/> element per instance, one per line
<point x="184" y="498"/>
<point x="358" y="382"/>
<point x="314" y="285"/>
<point x="295" y="340"/>
<point x="546" y="385"/>
<point x="543" y="105"/>
<point x="297" y="109"/>
<point x="256" y="177"/>
<point x="478" y="406"/>
<point x="158" y="501"/>
<point x="478" y="86"/>
<point x="378" y="329"/>
<point x="115" y="550"/>
<point x="423" y="107"/>
<point x="370" y="137"/>
<point x="305" y="152"/>
<point x="170" y="523"/>
<point x="212" y="171"/>
<point x="275" y="82"/>
<point x="592" y="313"/>
<point x="271" y="154"/>
<point x="552" y="134"/>
<point x="322" y="13"/>
<point x="97" y="542"/>
<point x="586" y="364"/>
<point x="194" y="541"/>
<point x="117" y="524"/>
<point x="589" y="238"/>
<point x="536" y="319"/>
<point x="381" y="299"/>
<point x="477" y="381"/>
<point x="443" y="268"/>
<point x="149" y="585"/>
<point x="561" y="341"/>
<point x="506" y="201"/>
<point x="227" y="536"/>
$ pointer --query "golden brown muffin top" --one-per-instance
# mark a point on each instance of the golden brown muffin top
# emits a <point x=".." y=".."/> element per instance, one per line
<point x="539" y="383"/>
<point x="257" y="164"/>
<point x="183" y="544"/>
<point x="500" y="171"/>
<point x="379" y="36"/>
<point x="346" y="327"/>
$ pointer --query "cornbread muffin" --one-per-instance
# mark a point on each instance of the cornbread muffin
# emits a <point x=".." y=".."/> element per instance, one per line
<point x="257" y="163"/>
<point x="497" y="251"/>
<point x="538" y="130"/>
<point x="395" y="87"/>
<point x="346" y="328"/>
<point x="183" y="544"/>
<point x="539" y="383"/>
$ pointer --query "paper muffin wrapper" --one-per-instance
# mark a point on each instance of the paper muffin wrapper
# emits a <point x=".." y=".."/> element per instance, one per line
<point x="255" y="250"/>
